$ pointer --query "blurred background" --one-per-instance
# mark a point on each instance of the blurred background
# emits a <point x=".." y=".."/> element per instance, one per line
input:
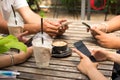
<point x="76" y="9"/>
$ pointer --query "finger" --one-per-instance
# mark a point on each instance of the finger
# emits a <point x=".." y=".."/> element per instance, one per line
<point x="98" y="37"/>
<point x="53" y="35"/>
<point x="88" y="29"/>
<point x="24" y="33"/>
<point x="78" y="52"/>
<point x="62" y="20"/>
<point x="96" y="64"/>
<point x="97" y="31"/>
<point x="53" y="23"/>
<point x="51" y="26"/>
<point x="52" y="31"/>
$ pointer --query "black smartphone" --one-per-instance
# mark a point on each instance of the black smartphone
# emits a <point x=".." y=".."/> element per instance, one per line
<point x="82" y="47"/>
<point x="86" y="25"/>
<point x="29" y="42"/>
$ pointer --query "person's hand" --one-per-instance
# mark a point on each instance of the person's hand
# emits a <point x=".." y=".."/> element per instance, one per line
<point x="62" y="29"/>
<point x="21" y="37"/>
<point x="23" y="56"/>
<point x="100" y="27"/>
<point x="53" y="28"/>
<point x="85" y="64"/>
<point x="100" y="55"/>
<point x="106" y="40"/>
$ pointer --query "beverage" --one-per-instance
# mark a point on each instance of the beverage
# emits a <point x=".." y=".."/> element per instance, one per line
<point x="42" y="52"/>
<point x="15" y="24"/>
<point x="15" y="30"/>
<point x="59" y="43"/>
<point x="42" y="56"/>
<point x="59" y="46"/>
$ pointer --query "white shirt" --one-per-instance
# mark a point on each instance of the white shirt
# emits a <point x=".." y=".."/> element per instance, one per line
<point x="7" y="9"/>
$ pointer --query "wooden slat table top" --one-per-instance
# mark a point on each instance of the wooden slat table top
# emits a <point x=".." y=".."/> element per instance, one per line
<point x="64" y="68"/>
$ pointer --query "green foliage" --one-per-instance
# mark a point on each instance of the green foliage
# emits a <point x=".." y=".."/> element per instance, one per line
<point x="113" y="1"/>
<point x="42" y="14"/>
<point x="34" y="4"/>
<point x="6" y="43"/>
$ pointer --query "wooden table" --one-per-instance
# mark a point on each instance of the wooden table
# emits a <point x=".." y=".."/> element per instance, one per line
<point x="63" y="68"/>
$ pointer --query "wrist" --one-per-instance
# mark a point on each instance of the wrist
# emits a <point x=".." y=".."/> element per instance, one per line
<point x="112" y="56"/>
<point x="91" y="70"/>
<point x="105" y="25"/>
<point x="96" y="76"/>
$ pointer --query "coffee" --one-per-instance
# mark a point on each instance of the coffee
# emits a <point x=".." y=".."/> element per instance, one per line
<point x="59" y="43"/>
<point x="59" y="46"/>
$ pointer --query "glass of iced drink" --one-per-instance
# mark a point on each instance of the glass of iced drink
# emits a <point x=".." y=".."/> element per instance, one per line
<point x="15" y="29"/>
<point x="42" y="51"/>
<point x="15" y="25"/>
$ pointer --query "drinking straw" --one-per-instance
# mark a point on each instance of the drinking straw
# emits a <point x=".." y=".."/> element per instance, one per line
<point x="14" y="14"/>
<point x="42" y="30"/>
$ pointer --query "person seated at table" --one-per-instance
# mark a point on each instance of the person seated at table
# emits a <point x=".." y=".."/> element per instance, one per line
<point x="101" y="33"/>
<point x="31" y="19"/>
<point x="102" y="36"/>
<point x="16" y="58"/>
<point x="87" y="67"/>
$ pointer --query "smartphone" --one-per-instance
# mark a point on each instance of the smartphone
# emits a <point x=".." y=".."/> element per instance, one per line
<point x="29" y="42"/>
<point x="82" y="47"/>
<point x="86" y="25"/>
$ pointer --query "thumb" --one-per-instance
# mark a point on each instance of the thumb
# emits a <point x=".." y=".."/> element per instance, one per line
<point x="97" y="31"/>
<point x="24" y="33"/>
<point x="96" y="64"/>
<point x="62" y="20"/>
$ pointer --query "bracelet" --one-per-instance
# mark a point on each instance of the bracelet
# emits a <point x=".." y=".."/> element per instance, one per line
<point x="12" y="59"/>
<point x="106" y="26"/>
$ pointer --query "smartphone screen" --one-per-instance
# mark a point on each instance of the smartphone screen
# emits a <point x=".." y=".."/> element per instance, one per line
<point x="29" y="42"/>
<point x="81" y="47"/>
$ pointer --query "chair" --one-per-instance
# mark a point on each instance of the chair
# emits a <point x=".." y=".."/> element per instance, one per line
<point x="91" y="5"/>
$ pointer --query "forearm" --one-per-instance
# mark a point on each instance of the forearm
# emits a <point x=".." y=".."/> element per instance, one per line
<point x="117" y="43"/>
<point x="113" y="24"/>
<point x="3" y="26"/>
<point x="29" y="16"/>
<point x="32" y="28"/>
<point x="5" y="60"/>
<point x="22" y="56"/>
<point x="114" y="57"/>
<point x="94" y="74"/>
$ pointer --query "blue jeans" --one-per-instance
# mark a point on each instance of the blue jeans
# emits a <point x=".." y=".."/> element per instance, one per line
<point x="116" y="70"/>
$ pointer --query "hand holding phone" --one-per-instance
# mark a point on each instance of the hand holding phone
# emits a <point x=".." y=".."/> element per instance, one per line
<point x="81" y="47"/>
<point x="64" y="24"/>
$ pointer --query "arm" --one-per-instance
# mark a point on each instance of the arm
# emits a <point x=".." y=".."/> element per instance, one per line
<point x="88" y="68"/>
<point x="96" y="76"/>
<point x="3" y="25"/>
<point x="109" y="26"/>
<point x="114" y="57"/>
<point x="106" y="40"/>
<point x="18" y="58"/>
<point x="113" y="24"/>
<point x="32" y="22"/>
<point x="103" y="55"/>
